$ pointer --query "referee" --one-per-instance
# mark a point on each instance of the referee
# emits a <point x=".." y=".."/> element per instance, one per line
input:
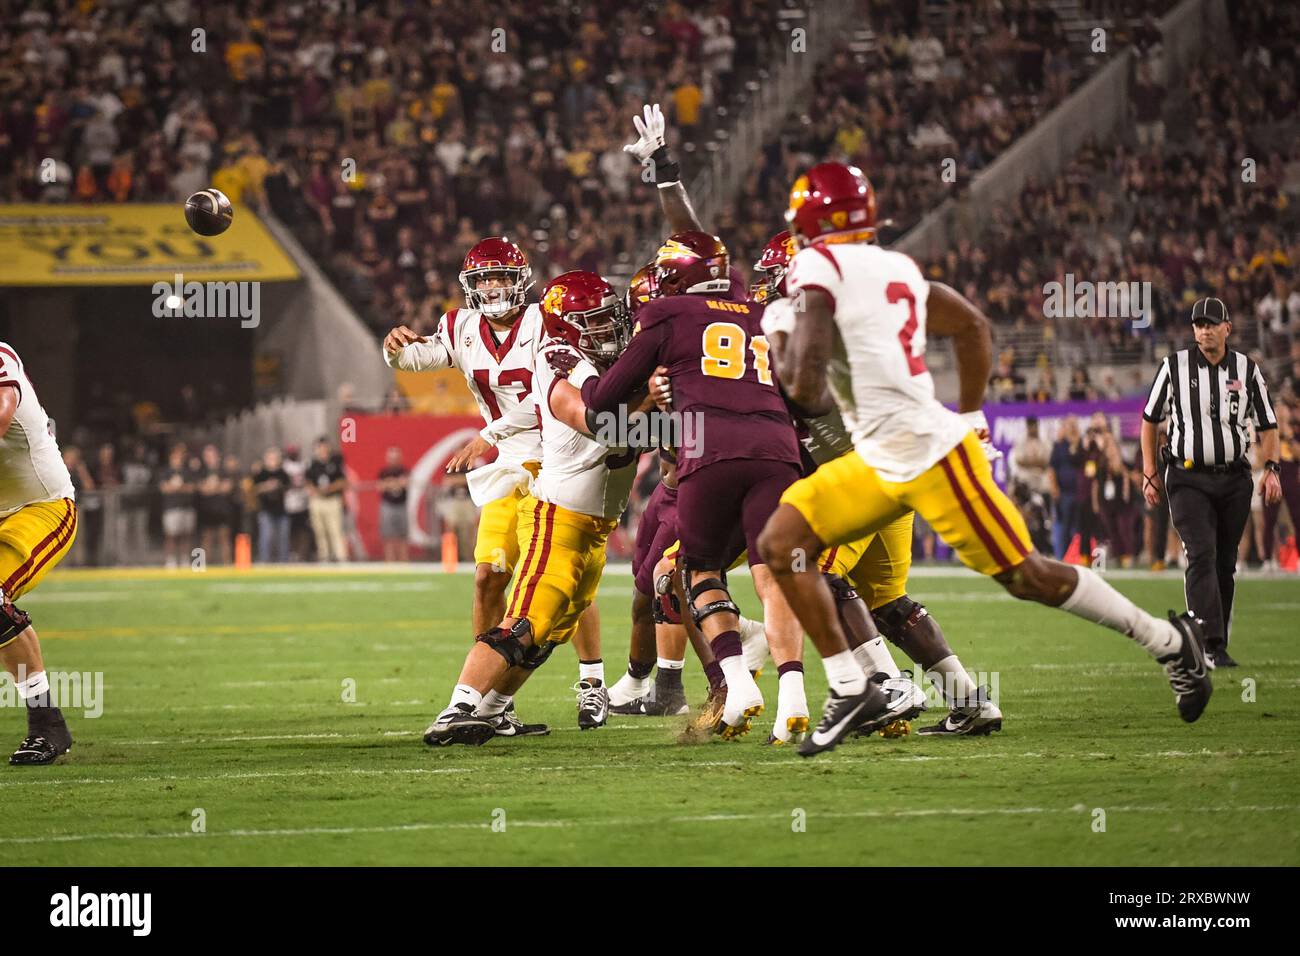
<point x="1208" y="393"/>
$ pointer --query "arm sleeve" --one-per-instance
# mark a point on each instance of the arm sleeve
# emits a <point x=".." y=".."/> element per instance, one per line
<point x="632" y="370"/>
<point x="423" y="356"/>
<point x="1260" y="407"/>
<point x="521" y="418"/>
<point x="1158" y="400"/>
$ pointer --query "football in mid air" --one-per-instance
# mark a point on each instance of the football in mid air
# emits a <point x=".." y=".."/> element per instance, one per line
<point x="209" y="212"/>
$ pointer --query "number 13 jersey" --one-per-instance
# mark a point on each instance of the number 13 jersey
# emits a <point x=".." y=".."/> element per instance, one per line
<point x="877" y="374"/>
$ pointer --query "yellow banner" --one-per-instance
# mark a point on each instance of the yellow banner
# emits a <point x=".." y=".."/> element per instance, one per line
<point x="131" y="244"/>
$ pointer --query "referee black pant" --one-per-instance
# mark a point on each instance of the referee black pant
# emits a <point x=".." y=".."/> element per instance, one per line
<point x="1209" y="512"/>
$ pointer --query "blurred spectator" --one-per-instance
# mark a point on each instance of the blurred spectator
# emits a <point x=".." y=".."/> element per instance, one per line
<point x="1031" y="459"/>
<point x="296" y="497"/>
<point x="1066" y="462"/>
<point x="176" y="483"/>
<point x="326" y="483"/>
<point x="270" y="482"/>
<point x="213" y="489"/>
<point x="393" y="527"/>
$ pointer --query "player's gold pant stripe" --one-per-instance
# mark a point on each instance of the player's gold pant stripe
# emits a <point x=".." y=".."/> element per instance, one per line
<point x="1019" y="547"/>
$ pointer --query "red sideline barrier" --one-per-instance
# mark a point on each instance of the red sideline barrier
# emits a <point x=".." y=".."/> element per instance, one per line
<point x="426" y="441"/>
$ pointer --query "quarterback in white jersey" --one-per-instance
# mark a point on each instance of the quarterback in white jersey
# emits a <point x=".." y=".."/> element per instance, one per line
<point x="867" y="311"/>
<point x="38" y="523"/>
<point x="576" y="501"/>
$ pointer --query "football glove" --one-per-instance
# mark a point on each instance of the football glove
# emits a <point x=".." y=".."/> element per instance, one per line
<point x="977" y="421"/>
<point x="650" y="146"/>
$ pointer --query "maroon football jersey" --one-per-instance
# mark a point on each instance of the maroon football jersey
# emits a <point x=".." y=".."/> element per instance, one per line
<point x="717" y="356"/>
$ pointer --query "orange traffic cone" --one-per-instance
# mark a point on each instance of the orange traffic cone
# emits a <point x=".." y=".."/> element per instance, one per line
<point x="243" y="551"/>
<point x="450" y="555"/>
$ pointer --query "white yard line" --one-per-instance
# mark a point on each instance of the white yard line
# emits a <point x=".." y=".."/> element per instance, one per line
<point x="641" y="822"/>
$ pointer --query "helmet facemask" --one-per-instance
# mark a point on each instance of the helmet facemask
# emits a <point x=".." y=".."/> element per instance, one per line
<point x="497" y="300"/>
<point x="603" y="333"/>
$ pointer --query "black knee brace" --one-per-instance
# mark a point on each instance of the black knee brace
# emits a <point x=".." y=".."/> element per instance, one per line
<point x="536" y="656"/>
<point x="509" y="643"/>
<point x="698" y="614"/>
<point x="899" y="616"/>
<point x="841" y="587"/>
<point x="13" y="621"/>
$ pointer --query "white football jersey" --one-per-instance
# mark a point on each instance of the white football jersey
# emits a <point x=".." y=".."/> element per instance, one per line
<point x="877" y="373"/>
<point x="31" y="468"/>
<point x="499" y="374"/>
<point x="578" y="472"/>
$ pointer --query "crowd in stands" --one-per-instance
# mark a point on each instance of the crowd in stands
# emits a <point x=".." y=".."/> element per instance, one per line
<point x="392" y="138"/>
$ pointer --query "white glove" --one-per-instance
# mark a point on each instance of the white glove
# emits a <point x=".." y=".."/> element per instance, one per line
<point x="650" y="133"/>
<point x="977" y="421"/>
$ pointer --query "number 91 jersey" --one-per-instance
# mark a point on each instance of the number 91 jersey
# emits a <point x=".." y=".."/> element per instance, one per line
<point x="877" y="373"/>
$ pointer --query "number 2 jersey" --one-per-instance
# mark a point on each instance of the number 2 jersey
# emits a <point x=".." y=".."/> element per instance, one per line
<point x="717" y="357"/>
<point x="877" y="373"/>
<point x="499" y="375"/>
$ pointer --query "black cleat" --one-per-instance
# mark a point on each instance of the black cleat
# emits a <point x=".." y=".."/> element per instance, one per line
<point x="1186" y="668"/>
<point x="508" y="724"/>
<point x="46" y="745"/>
<point x="1219" y="658"/>
<point x="37" y="751"/>
<point x="869" y="710"/>
<point x="593" y="704"/>
<point x="669" y="702"/>
<point x="459" y="725"/>
<point x="976" y="717"/>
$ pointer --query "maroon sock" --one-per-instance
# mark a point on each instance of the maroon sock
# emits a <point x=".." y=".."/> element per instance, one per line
<point x="788" y="666"/>
<point x="713" y="671"/>
<point x="726" y="644"/>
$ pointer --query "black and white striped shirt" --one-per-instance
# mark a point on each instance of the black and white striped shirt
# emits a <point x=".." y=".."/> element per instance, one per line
<point x="1208" y="405"/>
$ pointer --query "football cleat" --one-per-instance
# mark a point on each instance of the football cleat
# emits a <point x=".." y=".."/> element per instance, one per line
<point x="627" y="693"/>
<point x="38" y="751"/>
<point x="795" y="729"/>
<point x="709" y="717"/>
<point x="744" y="702"/>
<point x="1219" y="658"/>
<point x="978" y="717"/>
<point x="1188" y="673"/>
<point x="593" y="704"/>
<point x="899" y="728"/>
<point x="869" y="711"/>
<point x="508" y="724"/>
<point x="906" y="701"/>
<point x="666" y="702"/>
<point x="459" y="725"/>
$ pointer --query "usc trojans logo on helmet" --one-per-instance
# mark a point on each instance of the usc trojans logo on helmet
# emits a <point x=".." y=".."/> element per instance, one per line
<point x="833" y="202"/>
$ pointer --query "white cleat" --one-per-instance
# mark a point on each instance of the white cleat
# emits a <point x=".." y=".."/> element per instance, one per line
<point x="980" y="718"/>
<point x="791" y="711"/>
<point x="744" y="703"/>
<point x="626" y="690"/>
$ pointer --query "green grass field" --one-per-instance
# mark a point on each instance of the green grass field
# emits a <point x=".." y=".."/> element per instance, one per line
<point x="224" y="693"/>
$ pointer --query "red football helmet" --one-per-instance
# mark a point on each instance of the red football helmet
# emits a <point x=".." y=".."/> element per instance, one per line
<point x="771" y="266"/>
<point x="833" y="202"/>
<point x="496" y="257"/>
<point x="692" y="262"/>
<point x="583" y="309"/>
<point x="643" y="287"/>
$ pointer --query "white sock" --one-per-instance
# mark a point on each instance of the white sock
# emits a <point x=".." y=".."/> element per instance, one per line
<point x="33" y="686"/>
<point x="844" y="674"/>
<point x="493" y="703"/>
<point x="874" y="658"/>
<point x="464" y="694"/>
<point x="735" y="671"/>
<point x="753" y="643"/>
<point x="592" y="671"/>
<point x="664" y="664"/>
<point x="1095" y="600"/>
<point x="791" y="698"/>
<point x="951" y="680"/>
